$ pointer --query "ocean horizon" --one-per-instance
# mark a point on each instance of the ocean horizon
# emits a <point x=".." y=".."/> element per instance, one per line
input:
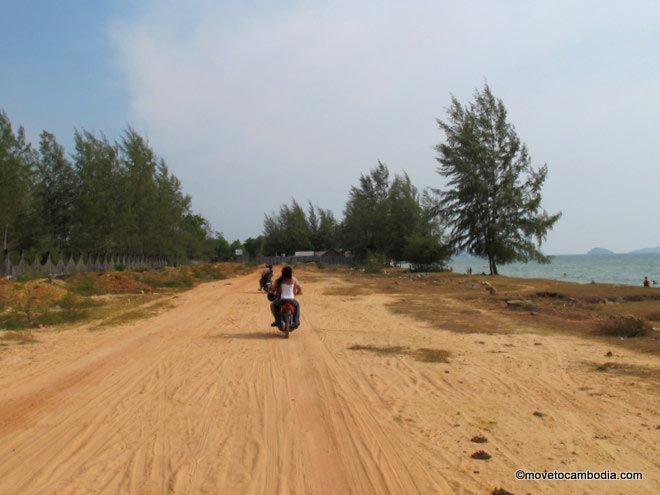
<point x="626" y="269"/>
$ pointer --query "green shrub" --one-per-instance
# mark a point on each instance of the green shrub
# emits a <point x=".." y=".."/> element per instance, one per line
<point x="83" y="283"/>
<point x="425" y="253"/>
<point x="374" y="263"/>
<point x="206" y="272"/>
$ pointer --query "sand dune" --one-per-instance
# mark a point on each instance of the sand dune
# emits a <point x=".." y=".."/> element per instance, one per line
<point x="207" y="398"/>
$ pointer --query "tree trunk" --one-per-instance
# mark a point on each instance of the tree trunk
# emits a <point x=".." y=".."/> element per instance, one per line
<point x="4" y="245"/>
<point x="492" y="265"/>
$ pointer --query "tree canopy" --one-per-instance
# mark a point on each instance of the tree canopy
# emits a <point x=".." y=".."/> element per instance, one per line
<point x="384" y="218"/>
<point x="492" y="201"/>
<point x="292" y="229"/>
<point x="108" y="197"/>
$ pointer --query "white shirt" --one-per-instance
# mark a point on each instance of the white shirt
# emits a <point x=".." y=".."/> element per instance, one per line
<point x="288" y="291"/>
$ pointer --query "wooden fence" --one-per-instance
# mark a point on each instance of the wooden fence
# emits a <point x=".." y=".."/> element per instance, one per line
<point x="67" y="266"/>
<point x="292" y="260"/>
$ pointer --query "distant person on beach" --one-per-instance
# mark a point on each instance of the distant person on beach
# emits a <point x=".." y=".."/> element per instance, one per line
<point x="646" y="282"/>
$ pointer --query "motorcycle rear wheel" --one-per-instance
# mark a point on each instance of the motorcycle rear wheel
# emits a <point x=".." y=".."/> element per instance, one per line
<point x="287" y="325"/>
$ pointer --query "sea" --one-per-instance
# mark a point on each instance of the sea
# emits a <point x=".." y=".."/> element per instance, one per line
<point x="627" y="269"/>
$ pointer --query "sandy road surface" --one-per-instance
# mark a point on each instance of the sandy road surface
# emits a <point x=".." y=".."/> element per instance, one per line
<point x="206" y="398"/>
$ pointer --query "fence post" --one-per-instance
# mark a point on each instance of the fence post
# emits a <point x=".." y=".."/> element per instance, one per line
<point x="48" y="266"/>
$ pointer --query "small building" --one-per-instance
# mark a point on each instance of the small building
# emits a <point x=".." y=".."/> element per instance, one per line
<point x="328" y="253"/>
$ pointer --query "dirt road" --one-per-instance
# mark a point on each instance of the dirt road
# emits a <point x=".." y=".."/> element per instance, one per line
<point x="207" y="398"/>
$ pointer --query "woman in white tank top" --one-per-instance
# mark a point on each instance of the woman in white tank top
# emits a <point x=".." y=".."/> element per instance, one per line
<point x="287" y="288"/>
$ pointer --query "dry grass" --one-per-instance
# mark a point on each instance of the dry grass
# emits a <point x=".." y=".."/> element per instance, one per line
<point x="92" y="296"/>
<point x="460" y="303"/>
<point x="427" y="355"/>
<point x="652" y="315"/>
<point x="18" y="338"/>
<point x="424" y="355"/>
<point x="647" y="374"/>
<point x="383" y="350"/>
<point x="347" y="290"/>
<point x="143" y="312"/>
<point x="627" y="327"/>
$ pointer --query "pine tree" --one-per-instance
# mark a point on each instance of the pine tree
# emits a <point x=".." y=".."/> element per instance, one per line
<point x="327" y="231"/>
<point x="98" y="195"/>
<point x="313" y="221"/>
<point x="403" y="215"/>
<point x="16" y="170"/>
<point x="53" y="194"/>
<point x="493" y="199"/>
<point x="365" y="227"/>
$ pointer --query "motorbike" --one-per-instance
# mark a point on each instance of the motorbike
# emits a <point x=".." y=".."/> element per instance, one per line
<point x="287" y="313"/>
<point x="286" y="318"/>
<point x="265" y="284"/>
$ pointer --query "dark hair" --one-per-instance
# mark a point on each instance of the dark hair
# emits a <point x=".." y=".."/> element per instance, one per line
<point x="287" y="274"/>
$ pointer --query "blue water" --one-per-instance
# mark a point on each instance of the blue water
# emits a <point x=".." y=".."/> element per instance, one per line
<point x="629" y="269"/>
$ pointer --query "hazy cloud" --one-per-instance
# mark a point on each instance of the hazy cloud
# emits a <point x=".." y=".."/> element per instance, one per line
<point x="254" y="104"/>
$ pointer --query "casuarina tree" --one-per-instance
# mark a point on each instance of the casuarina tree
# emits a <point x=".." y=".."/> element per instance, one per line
<point x="492" y="202"/>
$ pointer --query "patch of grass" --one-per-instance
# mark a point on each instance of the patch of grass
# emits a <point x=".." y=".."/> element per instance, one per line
<point x="83" y="283"/>
<point x="132" y="315"/>
<point x="647" y="374"/>
<point x="72" y="301"/>
<point x="20" y="338"/>
<point x="653" y="316"/>
<point x="424" y="355"/>
<point x="626" y="326"/>
<point x="18" y="320"/>
<point x="346" y="290"/>
<point x="184" y="282"/>
<point x="60" y="317"/>
<point x="479" y="439"/>
<point x="206" y="271"/>
<point x="380" y="349"/>
<point x="431" y="355"/>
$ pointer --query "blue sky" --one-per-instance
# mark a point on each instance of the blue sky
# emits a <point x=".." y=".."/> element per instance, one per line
<point x="252" y="103"/>
<point x="59" y="67"/>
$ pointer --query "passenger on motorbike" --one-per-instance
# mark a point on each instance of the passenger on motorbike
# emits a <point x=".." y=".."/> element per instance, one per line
<point x="286" y="288"/>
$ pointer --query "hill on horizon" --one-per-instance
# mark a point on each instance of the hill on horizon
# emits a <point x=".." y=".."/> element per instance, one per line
<point x="600" y="250"/>
<point x="651" y="250"/>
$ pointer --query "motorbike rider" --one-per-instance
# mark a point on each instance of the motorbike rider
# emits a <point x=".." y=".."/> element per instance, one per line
<point x="286" y="288"/>
<point x="266" y="276"/>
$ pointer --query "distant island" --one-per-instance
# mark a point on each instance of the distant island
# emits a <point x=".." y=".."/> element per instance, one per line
<point x="599" y="250"/>
<point x="652" y="250"/>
